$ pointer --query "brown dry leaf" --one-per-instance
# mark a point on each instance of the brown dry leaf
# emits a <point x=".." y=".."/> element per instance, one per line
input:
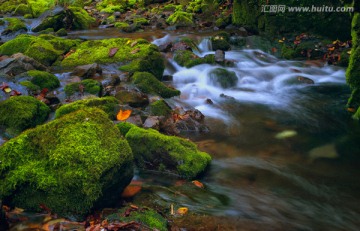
<point x="182" y="211"/>
<point x="351" y="109"/>
<point x="198" y="183"/>
<point x="135" y="51"/>
<point x="123" y="115"/>
<point x="133" y="44"/>
<point x="113" y="51"/>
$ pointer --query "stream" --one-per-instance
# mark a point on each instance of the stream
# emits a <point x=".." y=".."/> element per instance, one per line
<point x="284" y="152"/>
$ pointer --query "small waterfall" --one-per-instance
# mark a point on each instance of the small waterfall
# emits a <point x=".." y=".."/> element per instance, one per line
<point x="261" y="79"/>
<point x="205" y="46"/>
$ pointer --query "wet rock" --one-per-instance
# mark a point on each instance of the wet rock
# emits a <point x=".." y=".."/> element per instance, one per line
<point x="223" y="78"/>
<point x="305" y="80"/>
<point x="222" y="95"/>
<point x="87" y="71"/>
<point x="133" y="98"/>
<point x="167" y="47"/>
<point x="221" y="41"/>
<point x="219" y="56"/>
<point x="4" y="225"/>
<point x="152" y="122"/>
<point x="243" y="32"/>
<point x="19" y="63"/>
<point x="117" y="14"/>
<point x="135" y="119"/>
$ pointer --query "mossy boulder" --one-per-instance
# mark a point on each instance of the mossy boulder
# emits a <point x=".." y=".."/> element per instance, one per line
<point x="221" y="41"/>
<point x="149" y="84"/>
<point x="15" y="24"/>
<point x="67" y="165"/>
<point x="353" y="70"/>
<point x="166" y="153"/>
<point x="22" y="112"/>
<point x="97" y="51"/>
<point x="223" y="78"/>
<point x="85" y="86"/>
<point x="180" y="19"/>
<point x="72" y="17"/>
<point x="153" y="63"/>
<point x="46" y="49"/>
<point x="188" y="59"/>
<point x="160" y="108"/>
<point x="107" y="104"/>
<point x="61" y="32"/>
<point x="44" y="79"/>
<point x="145" y="216"/>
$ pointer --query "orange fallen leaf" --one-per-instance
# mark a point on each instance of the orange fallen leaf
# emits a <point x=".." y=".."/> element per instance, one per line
<point x="182" y="211"/>
<point x="132" y="189"/>
<point x="198" y="183"/>
<point x="351" y="109"/>
<point x="7" y="89"/>
<point x="123" y="115"/>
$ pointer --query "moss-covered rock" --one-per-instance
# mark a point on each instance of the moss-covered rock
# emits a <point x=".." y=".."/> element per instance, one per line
<point x="44" y="79"/>
<point x="166" y="153"/>
<point x="160" y="108"/>
<point x="70" y="18"/>
<point x="188" y="59"/>
<point x="88" y="85"/>
<point x="97" y="51"/>
<point x="67" y="165"/>
<point x="107" y="104"/>
<point x="22" y="112"/>
<point x="15" y="24"/>
<point x="146" y="216"/>
<point x="149" y="84"/>
<point x="44" y="48"/>
<point x="61" y="32"/>
<point x="223" y="78"/>
<point x="153" y="63"/>
<point x="180" y="19"/>
<point x="353" y="70"/>
<point x="221" y="41"/>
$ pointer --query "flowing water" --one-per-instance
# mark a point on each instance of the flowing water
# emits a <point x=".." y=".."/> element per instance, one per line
<point x="284" y="151"/>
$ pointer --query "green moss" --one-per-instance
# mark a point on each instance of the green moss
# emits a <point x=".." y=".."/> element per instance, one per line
<point x="356" y="116"/>
<point x="90" y="86"/>
<point x="47" y="31"/>
<point x="180" y="156"/>
<point x="107" y="104"/>
<point x="223" y="78"/>
<point x="180" y="18"/>
<point x="353" y="70"/>
<point x="344" y="59"/>
<point x="97" y="51"/>
<point x="30" y="86"/>
<point x="153" y="63"/>
<point x="67" y="164"/>
<point x="148" y="217"/>
<point x="121" y="25"/>
<point x="141" y="21"/>
<point x="82" y="20"/>
<point x="22" y="9"/>
<point x="149" y="84"/>
<point x="15" y="25"/>
<point x="169" y="7"/>
<point x="189" y="59"/>
<point x="62" y="32"/>
<point x="39" y="6"/>
<point x="354" y="100"/>
<point x="44" y="79"/>
<point x="160" y="108"/>
<point x="22" y="112"/>
<point x="45" y="48"/>
<point x="111" y="9"/>
<point x="124" y="127"/>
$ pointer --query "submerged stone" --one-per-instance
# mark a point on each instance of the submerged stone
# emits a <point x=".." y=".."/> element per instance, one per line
<point x="67" y="165"/>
